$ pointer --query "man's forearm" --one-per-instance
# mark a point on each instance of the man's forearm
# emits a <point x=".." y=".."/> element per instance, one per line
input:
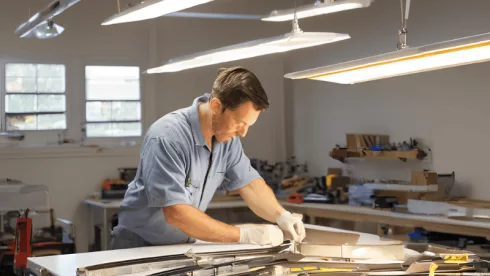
<point x="261" y="200"/>
<point x="198" y="225"/>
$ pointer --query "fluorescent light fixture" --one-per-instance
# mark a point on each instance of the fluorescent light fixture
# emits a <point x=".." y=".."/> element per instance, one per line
<point x="149" y="9"/>
<point x="54" y="8"/>
<point x="436" y="56"/>
<point x="318" y="8"/>
<point x="283" y="43"/>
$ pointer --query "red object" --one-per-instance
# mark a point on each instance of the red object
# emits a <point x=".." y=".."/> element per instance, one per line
<point x="21" y="246"/>
<point x="295" y="198"/>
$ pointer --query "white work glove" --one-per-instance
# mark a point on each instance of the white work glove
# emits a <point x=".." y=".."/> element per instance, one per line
<point x="261" y="235"/>
<point x="292" y="225"/>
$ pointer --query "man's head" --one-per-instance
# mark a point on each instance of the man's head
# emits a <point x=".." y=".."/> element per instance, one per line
<point x="236" y="101"/>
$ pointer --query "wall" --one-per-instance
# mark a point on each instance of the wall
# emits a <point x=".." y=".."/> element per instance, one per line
<point x="447" y="109"/>
<point x="72" y="174"/>
<point x="266" y="139"/>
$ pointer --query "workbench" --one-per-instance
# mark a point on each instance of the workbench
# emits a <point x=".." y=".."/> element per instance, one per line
<point x="379" y="216"/>
<point x="66" y="265"/>
<point x="105" y="207"/>
<point x="346" y="213"/>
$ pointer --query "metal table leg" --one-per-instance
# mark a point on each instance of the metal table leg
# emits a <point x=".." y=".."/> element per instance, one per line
<point x="91" y="229"/>
<point x="104" y="231"/>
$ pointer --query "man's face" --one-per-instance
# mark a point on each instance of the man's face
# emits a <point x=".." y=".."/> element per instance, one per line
<point x="232" y="123"/>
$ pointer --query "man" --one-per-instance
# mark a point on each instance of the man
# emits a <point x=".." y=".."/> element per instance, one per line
<point x="185" y="156"/>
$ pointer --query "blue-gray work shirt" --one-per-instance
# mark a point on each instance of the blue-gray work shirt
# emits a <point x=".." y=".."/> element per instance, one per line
<point x="172" y="170"/>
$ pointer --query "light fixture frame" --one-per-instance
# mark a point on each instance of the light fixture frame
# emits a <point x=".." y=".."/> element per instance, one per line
<point x="272" y="17"/>
<point x="53" y="9"/>
<point x="247" y="44"/>
<point x="400" y="55"/>
<point x="142" y="5"/>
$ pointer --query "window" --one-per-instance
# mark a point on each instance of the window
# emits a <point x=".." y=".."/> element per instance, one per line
<point x="113" y="107"/>
<point x="35" y="96"/>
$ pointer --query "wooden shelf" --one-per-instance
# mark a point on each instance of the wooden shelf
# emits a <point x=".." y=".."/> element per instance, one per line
<point x="343" y="154"/>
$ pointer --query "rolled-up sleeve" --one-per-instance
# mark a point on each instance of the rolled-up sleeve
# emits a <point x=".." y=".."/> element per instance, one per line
<point x="239" y="171"/>
<point x="164" y="174"/>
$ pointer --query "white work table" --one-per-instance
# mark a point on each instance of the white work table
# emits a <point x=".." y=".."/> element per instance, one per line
<point x="106" y="205"/>
<point x="66" y="265"/>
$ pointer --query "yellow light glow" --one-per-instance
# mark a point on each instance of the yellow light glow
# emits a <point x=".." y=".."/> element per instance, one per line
<point x="409" y="65"/>
<point x="407" y="61"/>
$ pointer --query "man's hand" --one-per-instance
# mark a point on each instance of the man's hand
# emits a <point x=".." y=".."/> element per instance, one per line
<point x="292" y="225"/>
<point x="261" y="235"/>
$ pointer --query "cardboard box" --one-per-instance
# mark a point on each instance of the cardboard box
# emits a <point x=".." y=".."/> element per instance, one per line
<point x="428" y="178"/>
<point x="424" y="178"/>
<point x="334" y="171"/>
<point x="338" y="182"/>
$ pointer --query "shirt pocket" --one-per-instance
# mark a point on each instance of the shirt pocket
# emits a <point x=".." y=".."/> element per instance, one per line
<point x="219" y="178"/>
<point x="194" y="187"/>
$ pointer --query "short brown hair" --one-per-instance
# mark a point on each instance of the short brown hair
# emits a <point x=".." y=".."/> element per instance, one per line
<point x="237" y="85"/>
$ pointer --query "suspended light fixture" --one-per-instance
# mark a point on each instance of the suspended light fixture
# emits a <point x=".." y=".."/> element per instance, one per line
<point x="149" y="9"/>
<point x="42" y="19"/>
<point x="405" y="60"/>
<point x="318" y="8"/>
<point x="446" y="54"/>
<point x="47" y="29"/>
<point x="296" y="39"/>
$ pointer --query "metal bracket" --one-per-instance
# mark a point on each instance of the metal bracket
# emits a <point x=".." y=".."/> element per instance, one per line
<point x="402" y="34"/>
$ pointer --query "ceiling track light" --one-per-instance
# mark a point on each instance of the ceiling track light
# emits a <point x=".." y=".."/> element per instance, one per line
<point x="149" y="9"/>
<point x="406" y="60"/>
<point x="316" y="9"/>
<point x="296" y="39"/>
<point x="43" y="19"/>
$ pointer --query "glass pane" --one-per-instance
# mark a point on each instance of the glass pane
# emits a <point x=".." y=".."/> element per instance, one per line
<point x="126" y="129"/>
<point x="114" y="89"/>
<point x="50" y="103"/>
<point x="20" y="103"/>
<point x="20" y="84"/>
<point x="98" y="111"/>
<point x="114" y="130"/>
<point x="126" y="111"/>
<point x="112" y="72"/>
<point x="51" y="71"/>
<point x="21" y="122"/>
<point x="20" y="70"/>
<point x="52" y="121"/>
<point x="51" y="85"/>
<point x="99" y="130"/>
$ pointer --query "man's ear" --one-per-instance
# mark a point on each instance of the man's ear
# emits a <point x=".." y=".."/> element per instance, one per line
<point x="216" y="106"/>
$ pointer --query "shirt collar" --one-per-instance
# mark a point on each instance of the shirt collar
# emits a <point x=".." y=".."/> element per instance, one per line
<point x="195" y="122"/>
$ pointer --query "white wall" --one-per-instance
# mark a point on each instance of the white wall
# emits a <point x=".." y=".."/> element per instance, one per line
<point x="266" y="139"/>
<point x="71" y="175"/>
<point x="447" y="109"/>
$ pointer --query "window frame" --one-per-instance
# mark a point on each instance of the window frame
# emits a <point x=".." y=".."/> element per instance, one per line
<point x="6" y="93"/>
<point x="102" y="139"/>
<point x="34" y="133"/>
